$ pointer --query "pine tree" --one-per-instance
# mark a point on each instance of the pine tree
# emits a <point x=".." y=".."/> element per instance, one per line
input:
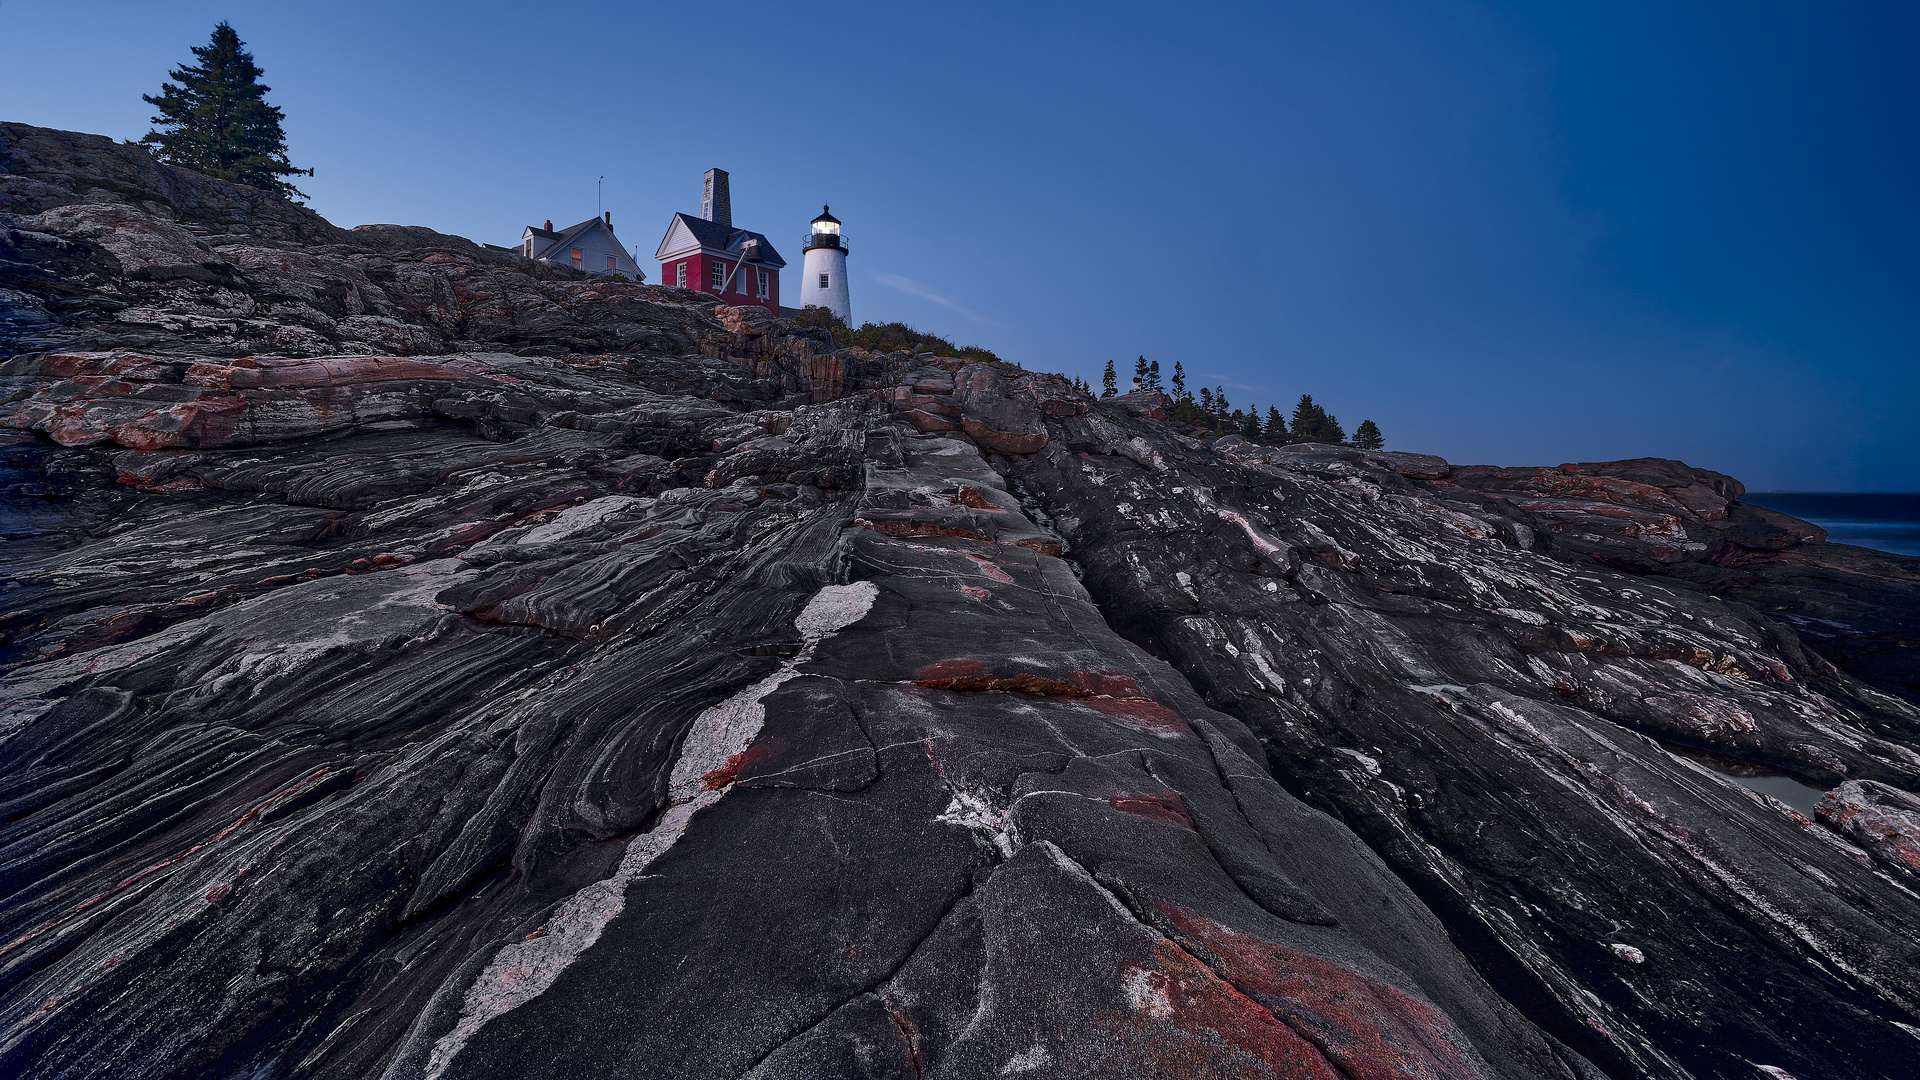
<point x="1179" y="383"/>
<point x="1153" y="376"/>
<point x="217" y="120"/>
<point x="1109" y="381"/>
<point x="1220" y="405"/>
<point x="1330" y="430"/>
<point x="1250" y="427"/>
<point x="1307" y="419"/>
<point x="1367" y="436"/>
<point x="1206" y="401"/>
<point x="1276" y="431"/>
<point x="1139" y="375"/>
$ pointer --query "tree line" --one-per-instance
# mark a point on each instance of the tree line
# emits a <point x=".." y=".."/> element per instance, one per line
<point x="1210" y="408"/>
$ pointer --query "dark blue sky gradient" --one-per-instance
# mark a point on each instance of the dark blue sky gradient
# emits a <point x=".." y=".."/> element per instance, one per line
<point x="1519" y="233"/>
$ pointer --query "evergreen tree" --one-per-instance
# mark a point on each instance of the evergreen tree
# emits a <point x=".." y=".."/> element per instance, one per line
<point x="1140" y="374"/>
<point x="1367" y="436"/>
<point x="1179" y="384"/>
<point x="1206" y="401"/>
<point x="1220" y="405"/>
<point x="1109" y="381"/>
<point x="1276" y="430"/>
<point x="1250" y="427"/>
<point x="1153" y="376"/>
<point x="1308" y="420"/>
<point x="217" y="120"/>
<point x="1331" y="431"/>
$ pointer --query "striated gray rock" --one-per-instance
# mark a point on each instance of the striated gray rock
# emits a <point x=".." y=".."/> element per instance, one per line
<point x="1883" y="820"/>
<point x="587" y="679"/>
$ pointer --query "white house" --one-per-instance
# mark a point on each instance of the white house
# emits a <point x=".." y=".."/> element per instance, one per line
<point x="589" y="246"/>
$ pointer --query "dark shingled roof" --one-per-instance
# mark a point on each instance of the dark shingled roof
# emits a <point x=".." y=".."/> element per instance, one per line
<point x="727" y="238"/>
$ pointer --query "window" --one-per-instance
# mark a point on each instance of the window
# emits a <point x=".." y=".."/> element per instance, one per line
<point x="528" y="248"/>
<point x="763" y="283"/>
<point x="579" y="261"/>
<point x="680" y="276"/>
<point x="610" y="263"/>
<point x="823" y="281"/>
<point x="719" y="275"/>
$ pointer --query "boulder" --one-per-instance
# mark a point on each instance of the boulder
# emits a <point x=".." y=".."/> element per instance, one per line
<point x="1883" y="820"/>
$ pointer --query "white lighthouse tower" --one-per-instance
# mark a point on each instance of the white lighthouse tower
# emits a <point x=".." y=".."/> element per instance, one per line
<point x="823" y="282"/>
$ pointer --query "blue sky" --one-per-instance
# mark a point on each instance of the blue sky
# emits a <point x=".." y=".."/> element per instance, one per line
<point x="1517" y="233"/>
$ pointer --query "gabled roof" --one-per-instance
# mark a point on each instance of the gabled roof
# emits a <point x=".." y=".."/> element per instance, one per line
<point x="567" y="235"/>
<point x="716" y="237"/>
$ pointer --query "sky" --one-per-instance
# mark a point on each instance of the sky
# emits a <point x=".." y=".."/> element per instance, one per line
<point x="1510" y="233"/>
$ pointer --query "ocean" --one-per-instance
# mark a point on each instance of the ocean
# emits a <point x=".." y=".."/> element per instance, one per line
<point x="1888" y="522"/>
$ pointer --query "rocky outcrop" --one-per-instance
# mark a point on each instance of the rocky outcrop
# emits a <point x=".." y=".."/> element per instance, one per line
<point x="668" y="693"/>
<point x="1855" y="607"/>
<point x="103" y="249"/>
<point x="1883" y="820"/>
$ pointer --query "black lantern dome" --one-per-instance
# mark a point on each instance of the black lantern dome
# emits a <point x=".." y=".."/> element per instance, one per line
<point x="825" y="232"/>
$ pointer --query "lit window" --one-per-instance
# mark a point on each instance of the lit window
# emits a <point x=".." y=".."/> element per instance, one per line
<point x="680" y="276"/>
<point x="763" y="284"/>
<point x="823" y="281"/>
<point x="610" y="263"/>
<point x="579" y="259"/>
<point x="719" y="275"/>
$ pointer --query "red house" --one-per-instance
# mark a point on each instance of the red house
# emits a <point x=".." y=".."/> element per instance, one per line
<point x="707" y="253"/>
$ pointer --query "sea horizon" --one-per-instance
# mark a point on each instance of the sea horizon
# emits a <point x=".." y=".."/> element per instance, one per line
<point x="1884" y="521"/>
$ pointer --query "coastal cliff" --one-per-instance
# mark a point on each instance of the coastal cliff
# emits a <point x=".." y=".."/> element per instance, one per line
<point x="423" y="662"/>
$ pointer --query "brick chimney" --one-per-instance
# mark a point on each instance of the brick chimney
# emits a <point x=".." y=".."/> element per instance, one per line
<point x="715" y="204"/>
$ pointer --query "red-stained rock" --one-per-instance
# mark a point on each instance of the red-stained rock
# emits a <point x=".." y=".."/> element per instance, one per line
<point x="1147" y="405"/>
<point x="1175" y="991"/>
<point x="994" y="415"/>
<point x="919" y="528"/>
<point x="1164" y="807"/>
<point x="927" y="421"/>
<point x="1884" y="820"/>
<point x="992" y="438"/>
<point x="1372" y="1031"/>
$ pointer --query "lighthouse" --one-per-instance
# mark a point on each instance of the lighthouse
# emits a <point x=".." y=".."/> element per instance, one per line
<point x="823" y="283"/>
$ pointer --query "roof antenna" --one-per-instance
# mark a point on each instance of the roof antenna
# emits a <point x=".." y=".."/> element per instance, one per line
<point x="596" y="197"/>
